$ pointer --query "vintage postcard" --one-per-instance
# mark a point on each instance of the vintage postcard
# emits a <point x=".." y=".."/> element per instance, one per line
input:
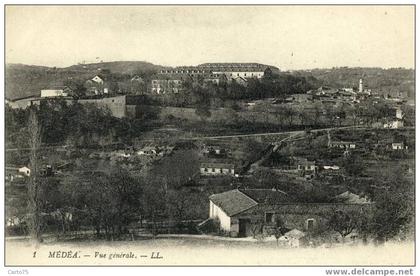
<point x="209" y="135"/>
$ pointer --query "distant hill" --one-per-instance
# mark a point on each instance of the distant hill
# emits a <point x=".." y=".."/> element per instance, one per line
<point x="28" y="80"/>
<point x="377" y="79"/>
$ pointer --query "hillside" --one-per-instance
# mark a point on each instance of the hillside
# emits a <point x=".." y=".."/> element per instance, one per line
<point x="378" y="79"/>
<point x="28" y="80"/>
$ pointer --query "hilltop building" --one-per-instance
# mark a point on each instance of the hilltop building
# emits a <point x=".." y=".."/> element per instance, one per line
<point x="230" y="70"/>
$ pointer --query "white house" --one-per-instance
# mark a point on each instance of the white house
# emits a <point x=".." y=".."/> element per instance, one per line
<point x="55" y="92"/>
<point x="217" y="169"/>
<point x="342" y="145"/>
<point x="149" y="151"/>
<point x="98" y="80"/>
<point x="399" y="114"/>
<point x="25" y="171"/>
<point x="397" y="146"/>
<point x="394" y="124"/>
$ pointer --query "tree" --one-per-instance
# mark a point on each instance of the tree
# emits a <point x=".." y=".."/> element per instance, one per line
<point x="352" y="165"/>
<point x="279" y="229"/>
<point x="289" y="113"/>
<point x="392" y="213"/>
<point x="35" y="197"/>
<point x="203" y="111"/>
<point x="343" y="222"/>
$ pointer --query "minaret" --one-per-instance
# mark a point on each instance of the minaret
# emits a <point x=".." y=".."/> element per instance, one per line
<point x="360" y="86"/>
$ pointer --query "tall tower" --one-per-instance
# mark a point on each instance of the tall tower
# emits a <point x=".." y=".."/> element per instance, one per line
<point x="360" y="85"/>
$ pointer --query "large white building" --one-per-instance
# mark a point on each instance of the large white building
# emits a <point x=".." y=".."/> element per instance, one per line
<point x="230" y="70"/>
<point x="55" y="92"/>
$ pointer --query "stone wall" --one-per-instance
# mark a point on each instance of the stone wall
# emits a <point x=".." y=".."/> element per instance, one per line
<point x="117" y="105"/>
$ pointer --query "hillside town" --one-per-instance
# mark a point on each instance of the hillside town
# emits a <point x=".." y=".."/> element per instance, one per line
<point x="240" y="150"/>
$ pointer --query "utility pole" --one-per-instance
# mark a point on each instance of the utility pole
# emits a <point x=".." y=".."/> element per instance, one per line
<point x="34" y="207"/>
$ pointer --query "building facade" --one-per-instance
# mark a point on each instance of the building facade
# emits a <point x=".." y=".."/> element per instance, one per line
<point x="243" y="211"/>
<point x="217" y="169"/>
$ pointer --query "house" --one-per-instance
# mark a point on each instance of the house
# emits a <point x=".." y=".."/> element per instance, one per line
<point x="213" y="150"/>
<point x="96" y="86"/>
<point x="121" y="153"/>
<point x="47" y="171"/>
<point x="217" y="169"/>
<point x="394" y="124"/>
<point x="351" y="198"/>
<point x="342" y="145"/>
<point x="346" y="95"/>
<point x="215" y="78"/>
<point x="240" y="80"/>
<point x="304" y="165"/>
<point x="397" y="146"/>
<point x="401" y="95"/>
<point x="12" y="173"/>
<point x="165" y="150"/>
<point x="97" y="79"/>
<point x="137" y="78"/>
<point x="25" y="171"/>
<point x="163" y="84"/>
<point x="399" y="114"/>
<point x="333" y="167"/>
<point x="61" y="91"/>
<point x="148" y="150"/>
<point x="241" y="212"/>
<point x="301" y="98"/>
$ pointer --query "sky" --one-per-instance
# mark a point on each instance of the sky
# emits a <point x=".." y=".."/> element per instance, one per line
<point x="289" y="37"/>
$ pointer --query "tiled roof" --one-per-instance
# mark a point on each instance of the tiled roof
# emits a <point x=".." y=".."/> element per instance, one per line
<point x="217" y="165"/>
<point x="236" y="201"/>
<point x="267" y="196"/>
<point x="350" y="198"/>
<point x="233" y="202"/>
<point x="169" y="77"/>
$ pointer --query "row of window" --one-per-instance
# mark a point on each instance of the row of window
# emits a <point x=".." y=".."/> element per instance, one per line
<point x="214" y="170"/>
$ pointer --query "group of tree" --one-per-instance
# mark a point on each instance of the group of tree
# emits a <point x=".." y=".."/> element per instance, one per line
<point x="74" y="124"/>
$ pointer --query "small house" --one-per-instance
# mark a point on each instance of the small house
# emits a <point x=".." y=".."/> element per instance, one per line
<point x="25" y="171"/>
<point x="217" y="169"/>
<point x="61" y="91"/>
<point x="342" y="145"/>
<point x="148" y="150"/>
<point x="304" y="165"/>
<point x="97" y="79"/>
<point x="397" y="146"/>
<point x="394" y="124"/>
<point x="351" y="198"/>
<point x="213" y="150"/>
<point x="399" y="114"/>
<point x="163" y="84"/>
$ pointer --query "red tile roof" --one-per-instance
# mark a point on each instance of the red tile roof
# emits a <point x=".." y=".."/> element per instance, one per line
<point x="233" y="202"/>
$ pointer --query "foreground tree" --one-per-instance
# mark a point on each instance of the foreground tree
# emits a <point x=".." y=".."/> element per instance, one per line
<point x="34" y="194"/>
<point x="343" y="223"/>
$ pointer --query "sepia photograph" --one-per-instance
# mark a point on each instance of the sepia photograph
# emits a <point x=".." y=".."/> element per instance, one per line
<point x="209" y="135"/>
